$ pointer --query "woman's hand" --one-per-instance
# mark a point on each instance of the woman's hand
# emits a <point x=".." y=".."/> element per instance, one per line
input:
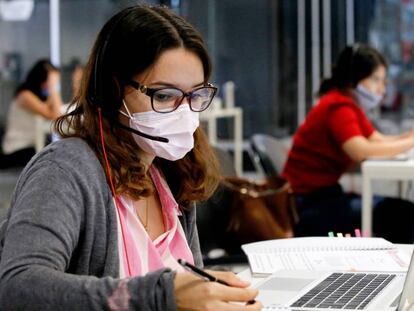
<point x="193" y="293"/>
<point x="411" y="133"/>
<point x="53" y="80"/>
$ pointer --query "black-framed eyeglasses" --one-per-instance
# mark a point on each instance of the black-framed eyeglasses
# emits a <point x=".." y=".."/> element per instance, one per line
<point x="167" y="99"/>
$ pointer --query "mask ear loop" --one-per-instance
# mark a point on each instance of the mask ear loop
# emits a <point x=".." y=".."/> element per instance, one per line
<point x="113" y="188"/>
<point x="126" y="108"/>
<point x="128" y="114"/>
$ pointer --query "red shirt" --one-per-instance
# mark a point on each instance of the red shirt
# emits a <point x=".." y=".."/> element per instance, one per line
<point x="316" y="158"/>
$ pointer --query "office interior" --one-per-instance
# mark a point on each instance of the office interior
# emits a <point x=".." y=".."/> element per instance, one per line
<point x="269" y="57"/>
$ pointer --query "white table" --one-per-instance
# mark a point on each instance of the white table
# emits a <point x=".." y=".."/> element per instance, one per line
<point x="246" y="274"/>
<point x="254" y="281"/>
<point x="381" y="169"/>
<point x="211" y="116"/>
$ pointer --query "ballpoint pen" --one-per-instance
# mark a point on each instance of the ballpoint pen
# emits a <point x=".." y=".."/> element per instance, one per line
<point x="204" y="275"/>
<point x="201" y="273"/>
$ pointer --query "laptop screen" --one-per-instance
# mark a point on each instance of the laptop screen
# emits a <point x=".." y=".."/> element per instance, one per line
<point x="407" y="295"/>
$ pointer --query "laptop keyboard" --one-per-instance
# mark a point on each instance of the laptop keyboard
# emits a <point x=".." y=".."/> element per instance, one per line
<point x="344" y="291"/>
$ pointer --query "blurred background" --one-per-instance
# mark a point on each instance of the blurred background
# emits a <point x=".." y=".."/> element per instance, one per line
<point x="273" y="52"/>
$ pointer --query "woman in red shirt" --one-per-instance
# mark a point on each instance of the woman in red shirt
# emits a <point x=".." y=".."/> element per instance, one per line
<point x="335" y="135"/>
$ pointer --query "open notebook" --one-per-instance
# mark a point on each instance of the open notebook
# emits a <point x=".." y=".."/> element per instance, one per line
<point x="324" y="254"/>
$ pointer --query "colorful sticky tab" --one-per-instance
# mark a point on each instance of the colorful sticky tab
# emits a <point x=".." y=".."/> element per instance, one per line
<point x="348" y="235"/>
<point x="339" y="235"/>
<point x="331" y="234"/>
<point x="357" y="233"/>
<point x="366" y="234"/>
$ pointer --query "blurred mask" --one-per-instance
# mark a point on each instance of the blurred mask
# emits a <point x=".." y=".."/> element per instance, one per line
<point x="366" y="99"/>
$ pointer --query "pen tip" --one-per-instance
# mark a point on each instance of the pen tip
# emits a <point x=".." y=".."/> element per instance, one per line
<point x="180" y="261"/>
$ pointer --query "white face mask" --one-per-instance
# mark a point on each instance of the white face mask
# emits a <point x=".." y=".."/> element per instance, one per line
<point x="366" y="99"/>
<point x="177" y="126"/>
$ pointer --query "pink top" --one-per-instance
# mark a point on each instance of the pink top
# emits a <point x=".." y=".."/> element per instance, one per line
<point x="138" y="254"/>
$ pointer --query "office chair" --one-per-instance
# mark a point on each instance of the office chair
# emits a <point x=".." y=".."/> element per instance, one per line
<point x="271" y="153"/>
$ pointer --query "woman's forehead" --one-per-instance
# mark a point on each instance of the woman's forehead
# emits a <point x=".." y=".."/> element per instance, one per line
<point x="178" y="67"/>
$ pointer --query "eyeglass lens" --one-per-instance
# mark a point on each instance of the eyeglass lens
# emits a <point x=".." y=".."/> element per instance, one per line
<point x="169" y="98"/>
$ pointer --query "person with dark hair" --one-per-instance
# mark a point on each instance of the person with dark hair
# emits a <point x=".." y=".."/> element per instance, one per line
<point x="335" y="135"/>
<point x="37" y="97"/>
<point x="99" y="219"/>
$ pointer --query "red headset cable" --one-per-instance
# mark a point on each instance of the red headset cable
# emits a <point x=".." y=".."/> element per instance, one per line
<point x="113" y="188"/>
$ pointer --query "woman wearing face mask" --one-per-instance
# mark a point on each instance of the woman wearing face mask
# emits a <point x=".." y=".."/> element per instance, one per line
<point x="100" y="218"/>
<point x="335" y="135"/>
<point x="37" y="96"/>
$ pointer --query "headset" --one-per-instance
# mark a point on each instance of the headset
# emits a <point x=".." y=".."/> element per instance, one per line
<point x="96" y="99"/>
<point x="98" y="88"/>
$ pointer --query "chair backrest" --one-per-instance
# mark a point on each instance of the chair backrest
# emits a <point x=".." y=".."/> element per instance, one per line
<point x="272" y="153"/>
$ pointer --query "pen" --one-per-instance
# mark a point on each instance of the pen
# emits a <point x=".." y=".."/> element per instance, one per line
<point x="204" y="275"/>
<point x="201" y="273"/>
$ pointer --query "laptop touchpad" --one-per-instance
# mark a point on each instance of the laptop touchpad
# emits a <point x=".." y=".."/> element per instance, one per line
<point x="285" y="284"/>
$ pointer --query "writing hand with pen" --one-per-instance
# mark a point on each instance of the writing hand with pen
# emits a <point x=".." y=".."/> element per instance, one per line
<point x="221" y="290"/>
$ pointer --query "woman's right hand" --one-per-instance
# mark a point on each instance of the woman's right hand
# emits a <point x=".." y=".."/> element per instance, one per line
<point x="194" y="294"/>
<point x="53" y="80"/>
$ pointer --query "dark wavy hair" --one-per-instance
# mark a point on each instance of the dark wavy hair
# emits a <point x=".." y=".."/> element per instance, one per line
<point x="354" y="64"/>
<point x="128" y="44"/>
<point x="36" y="77"/>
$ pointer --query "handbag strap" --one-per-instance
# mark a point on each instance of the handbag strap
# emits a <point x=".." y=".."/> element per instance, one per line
<point x="249" y="188"/>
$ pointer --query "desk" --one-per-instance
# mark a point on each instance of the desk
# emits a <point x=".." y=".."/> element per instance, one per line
<point x="211" y="116"/>
<point x="286" y="286"/>
<point x="246" y="274"/>
<point x="381" y="169"/>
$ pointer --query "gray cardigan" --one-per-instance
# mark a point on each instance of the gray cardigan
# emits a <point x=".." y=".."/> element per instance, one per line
<point x="58" y="245"/>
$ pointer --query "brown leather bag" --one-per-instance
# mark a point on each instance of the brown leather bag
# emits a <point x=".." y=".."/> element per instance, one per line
<point x="260" y="211"/>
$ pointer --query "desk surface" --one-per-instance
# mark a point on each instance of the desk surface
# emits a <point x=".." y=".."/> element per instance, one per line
<point x="398" y="169"/>
<point x="221" y="113"/>
<point x="247" y="276"/>
<point x="388" y="169"/>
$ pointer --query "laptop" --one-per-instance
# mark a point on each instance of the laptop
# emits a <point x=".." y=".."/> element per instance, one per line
<point x="312" y="290"/>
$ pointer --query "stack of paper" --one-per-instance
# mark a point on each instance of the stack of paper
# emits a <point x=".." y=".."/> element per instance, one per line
<point x="325" y="253"/>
